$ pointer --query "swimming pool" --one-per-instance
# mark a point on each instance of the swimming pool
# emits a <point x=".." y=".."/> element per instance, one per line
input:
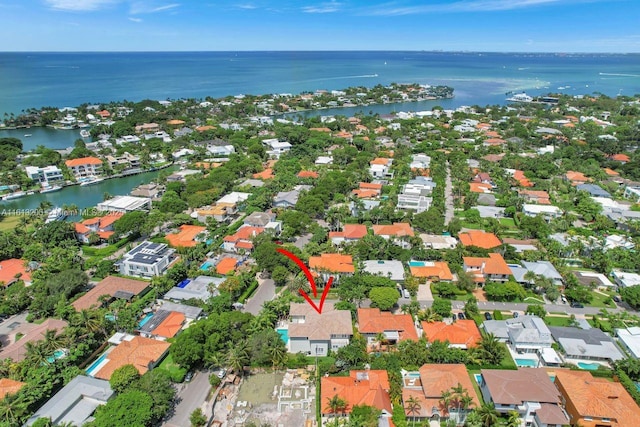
<point x="417" y="263"/>
<point x="284" y="334"/>
<point x="145" y="319"/>
<point x="183" y="284"/>
<point x="97" y="365"/>
<point x="478" y="378"/>
<point x="529" y="363"/>
<point x="589" y="366"/>
<point x="206" y="265"/>
<point x="413" y="374"/>
<point x="56" y="355"/>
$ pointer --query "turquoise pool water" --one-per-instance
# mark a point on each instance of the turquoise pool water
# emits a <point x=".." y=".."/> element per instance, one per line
<point x="206" y="265"/>
<point x="91" y="370"/>
<point x="284" y="334"/>
<point x="529" y="363"/>
<point x="413" y="374"/>
<point x="589" y="366"/>
<point x="416" y="263"/>
<point x="638" y="386"/>
<point x="552" y="378"/>
<point x="478" y="378"/>
<point x="56" y="355"/>
<point x="145" y="319"/>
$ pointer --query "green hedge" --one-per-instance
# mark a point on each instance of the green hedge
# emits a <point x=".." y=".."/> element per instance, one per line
<point x="250" y="290"/>
<point x="629" y="385"/>
<point x="104" y="252"/>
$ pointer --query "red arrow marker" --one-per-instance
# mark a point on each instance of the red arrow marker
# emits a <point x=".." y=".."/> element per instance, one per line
<point x="312" y="282"/>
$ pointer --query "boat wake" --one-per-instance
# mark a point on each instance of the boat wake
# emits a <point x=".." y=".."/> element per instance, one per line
<point x="619" y="74"/>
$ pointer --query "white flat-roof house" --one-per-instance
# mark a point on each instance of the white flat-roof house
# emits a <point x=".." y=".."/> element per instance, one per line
<point x="632" y="193"/>
<point x="125" y="204"/>
<point x="546" y="211"/>
<point x="148" y="259"/>
<point x="625" y="280"/>
<point x="44" y="175"/>
<point x="629" y="339"/>
<point x="276" y="147"/>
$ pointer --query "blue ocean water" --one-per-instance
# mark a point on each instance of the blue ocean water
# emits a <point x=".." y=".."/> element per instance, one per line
<point x="68" y="79"/>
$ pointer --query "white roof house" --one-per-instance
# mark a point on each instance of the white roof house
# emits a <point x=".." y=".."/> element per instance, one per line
<point x="546" y="211"/>
<point x="392" y="269"/>
<point x="625" y="280"/>
<point x="234" y="198"/>
<point x="125" y="204"/>
<point x="629" y="338"/>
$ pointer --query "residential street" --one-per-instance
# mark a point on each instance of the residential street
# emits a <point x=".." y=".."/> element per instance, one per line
<point x="190" y="396"/>
<point x="448" y="198"/>
<point x="265" y="292"/>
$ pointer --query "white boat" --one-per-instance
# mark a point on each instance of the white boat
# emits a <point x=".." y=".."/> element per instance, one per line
<point x="85" y="133"/>
<point x="15" y="195"/>
<point x="520" y="97"/>
<point x="92" y="181"/>
<point x="51" y="189"/>
<point x="56" y="214"/>
<point x="27" y="135"/>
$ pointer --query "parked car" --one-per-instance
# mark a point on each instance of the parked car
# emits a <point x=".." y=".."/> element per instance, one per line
<point x="576" y="305"/>
<point x="406" y="294"/>
<point x="188" y="377"/>
<point x="461" y="316"/>
<point x="515" y="314"/>
<point x="221" y="373"/>
<point x="616" y="298"/>
<point x="488" y="315"/>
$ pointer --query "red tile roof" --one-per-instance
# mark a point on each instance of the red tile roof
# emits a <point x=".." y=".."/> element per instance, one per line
<point x="435" y="269"/>
<point x="226" y="265"/>
<point x="350" y="232"/>
<point x="186" y="237"/>
<point x="83" y="161"/>
<point x="332" y="263"/>
<point x="620" y="158"/>
<point x="398" y="229"/>
<point x="10" y="268"/>
<point x="462" y="333"/>
<point x="374" y="321"/>
<point x="479" y="238"/>
<point x="494" y="264"/>
<point x="307" y="174"/>
<point x="140" y="352"/>
<point x="9" y="386"/>
<point x="109" y="286"/>
<point x="170" y="326"/>
<point x="369" y="388"/>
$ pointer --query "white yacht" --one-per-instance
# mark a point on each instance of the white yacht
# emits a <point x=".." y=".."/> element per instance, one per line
<point x="91" y="181"/>
<point x="50" y="188"/>
<point x="56" y="214"/>
<point x="14" y="195"/>
<point x="520" y="97"/>
<point x="85" y="133"/>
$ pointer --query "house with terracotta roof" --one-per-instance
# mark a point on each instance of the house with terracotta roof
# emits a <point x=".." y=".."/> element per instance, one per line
<point x="163" y="324"/>
<point x="307" y="174"/>
<point x="492" y="268"/>
<point x="519" y="178"/>
<point x="622" y="158"/>
<point x="102" y="226"/>
<point x="314" y="334"/>
<point x="332" y="265"/>
<point x="9" y="386"/>
<point x="12" y="270"/>
<point x="394" y="327"/>
<point x="427" y="386"/>
<point x="398" y="233"/>
<point x="479" y="187"/>
<point x="85" y="166"/>
<point x="264" y="175"/>
<point x="226" y="265"/>
<point x="528" y="391"/>
<point x="188" y="236"/>
<point x="368" y="190"/>
<point x="241" y="240"/>
<point x="535" y="196"/>
<point x="462" y="334"/>
<point x="143" y="353"/>
<point x="576" y="178"/>
<point x="350" y="233"/>
<point x="483" y="178"/>
<point x="370" y="387"/>
<point x="596" y="402"/>
<point x="479" y="238"/>
<point x="432" y="270"/>
<point x="17" y="351"/>
<point x="113" y="287"/>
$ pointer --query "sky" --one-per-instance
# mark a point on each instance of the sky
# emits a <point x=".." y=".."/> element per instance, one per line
<point x="608" y="26"/>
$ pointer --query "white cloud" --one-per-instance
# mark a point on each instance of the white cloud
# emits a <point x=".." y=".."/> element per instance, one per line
<point x="134" y="19"/>
<point x="392" y="9"/>
<point x="139" y="8"/>
<point x="329" y="7"/>
<point x="246" y="6"/>
<point x="80" y="5"/>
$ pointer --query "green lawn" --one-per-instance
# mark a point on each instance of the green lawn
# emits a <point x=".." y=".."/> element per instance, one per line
<point x="9" y="222"/>
<point x="507" y="222"/>
<point x="557" y="321"/>
<point x="476" y="387"/>
<point x="598" y="301"/>
<point x="174" y="369"/>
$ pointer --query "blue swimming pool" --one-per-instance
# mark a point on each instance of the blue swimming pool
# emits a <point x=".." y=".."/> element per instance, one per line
<point x="529" y="363"/>
<point x="56" y="355"/>
<point x="206" y="265"/>
<point x="416" y="263"/>
<point x="184" y="283"/>
<point x="478" y="378"/>
<point x="413" y="374"/>
<point x="145" y="319"/>
<point x="284" y="334"/>
<point x="589" y="366"/>
<point x="91" y="370"/>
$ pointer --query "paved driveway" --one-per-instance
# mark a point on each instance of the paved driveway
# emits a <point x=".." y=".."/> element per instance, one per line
<point x="265" y="292"/>
<point x="190" y="396"/>
<point x="13" y="325"/>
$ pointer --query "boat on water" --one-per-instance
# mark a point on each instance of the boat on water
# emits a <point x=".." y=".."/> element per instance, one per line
<point x="56" y="214"/>
<point x="27" y="135"/>
<point x="14" y="195"/>
<point x="50" y="189"/>
<point x="91" y="181"/>
<point x="85" y="133"/>
<point x="520" y="97"/>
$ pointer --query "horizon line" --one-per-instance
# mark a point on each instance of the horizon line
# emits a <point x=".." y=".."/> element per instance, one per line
<point x="330" y="50"/>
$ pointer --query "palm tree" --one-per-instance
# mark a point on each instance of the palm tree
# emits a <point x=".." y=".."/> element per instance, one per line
<point x="89" y="320"/>
<point x="278" y="355"/>
<point x="380" y="338"/>
<point x="12" y="408"/>
<point x="413" y="406"/>
<point x="238" y="357"/>
<point x="513" y="419"/>
<point x="491" y="349"/>
<point x="37" y="354"/>
<point x="52" y="341"/>
<point x="464" y="403"/>
<point x="336" y="404"/>
<point x="445" y="400"/>
<point x="488" y="415"/>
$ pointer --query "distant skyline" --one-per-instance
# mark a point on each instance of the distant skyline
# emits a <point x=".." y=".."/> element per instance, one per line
<point x="585" y="26"/>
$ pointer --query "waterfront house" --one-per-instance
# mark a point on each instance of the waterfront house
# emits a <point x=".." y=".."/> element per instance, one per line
<point x="146" y="260"/>
<point x="479" y="238"/>
<point x="394" y="327"/>
<point x="85" y="167"/>
<point x="143" y="353"/>
<point x="529" y="392"/>
<point x="75" y="403"/>
<point x="46" y="175"/>
<point x="124" y="204"/>
<point x="115" y="288"/>
<point x="596" y="402"/>
<point x="369" y="387"/>
<point x="13" y="269"/>
<point x="316" y="335"/>
<point x="462" y="334"/>
<point x="188" y="236"/>
<point x="350" y="233"/>
<point x="492" y="268"/>
<point x="428" y="385"/>
<point x="102" y="226"/>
